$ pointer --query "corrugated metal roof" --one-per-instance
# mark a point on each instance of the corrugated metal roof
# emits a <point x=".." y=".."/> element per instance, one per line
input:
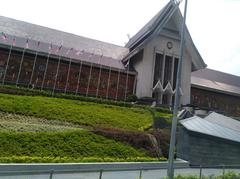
<point x="197" y="124"/>
<point x="215" y="86"/>
<point x="47" y="35"/>
<point x="223" y="121"/>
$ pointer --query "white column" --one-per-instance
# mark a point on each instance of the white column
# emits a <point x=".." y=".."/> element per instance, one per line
<point x="9" y="56"/>
<point x="56" y="76"/>
<point x="79" y="77"/>
<point x="99" y="75"/>
<point x="109" y="76"/>
<point x="117" y="84"/>
<point x="46" y="67"/>
<point x="126" y="87"/>
<point x="20" y="67"/>
<point x="34" y="64"/>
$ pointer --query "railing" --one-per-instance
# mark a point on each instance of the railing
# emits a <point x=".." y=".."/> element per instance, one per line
<point x="113" y="172"/>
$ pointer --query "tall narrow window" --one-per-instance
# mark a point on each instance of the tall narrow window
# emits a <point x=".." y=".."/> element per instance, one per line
<point x="165" y="71"/>
<point x="175" y="72"/>
<point x="168" y="70"/>
<point x="158" y="68"/>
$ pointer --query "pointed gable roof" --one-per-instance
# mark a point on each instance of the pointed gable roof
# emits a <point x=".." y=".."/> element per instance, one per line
<point x="156" y="25"/>
<point x="156" y="22"/>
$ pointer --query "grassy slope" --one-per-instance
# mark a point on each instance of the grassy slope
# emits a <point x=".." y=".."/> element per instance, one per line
<point x="43" y="115"/>
<point x="83" y="113"/>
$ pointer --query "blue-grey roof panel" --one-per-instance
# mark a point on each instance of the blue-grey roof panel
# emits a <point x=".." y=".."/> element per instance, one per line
<point x="197" y="124"/>
<point x="223" y="121"/>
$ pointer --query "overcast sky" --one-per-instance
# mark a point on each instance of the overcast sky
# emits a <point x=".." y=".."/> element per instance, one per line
<point x="213" y="24"/>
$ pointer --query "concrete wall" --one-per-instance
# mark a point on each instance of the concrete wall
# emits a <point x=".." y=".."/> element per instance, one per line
<point x="145" y="68"/>
<point x="183" y="147"/>
<point x="207" y="150"/>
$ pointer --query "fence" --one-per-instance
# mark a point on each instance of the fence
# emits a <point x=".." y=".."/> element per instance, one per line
<point x="110" y="171"/>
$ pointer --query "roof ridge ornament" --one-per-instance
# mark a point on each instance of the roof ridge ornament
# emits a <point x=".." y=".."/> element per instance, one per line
<point x="180" y="91"/>
<point x="168" y="89"/>
<point x="158" y="87"/>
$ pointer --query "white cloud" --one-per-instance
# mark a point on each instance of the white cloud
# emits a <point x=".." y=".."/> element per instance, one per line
<point x="215" y="30"/>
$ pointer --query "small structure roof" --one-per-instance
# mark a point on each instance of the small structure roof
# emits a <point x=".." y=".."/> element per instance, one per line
<point x="216" y="81"/>
<point x="203" y="126"/>
<point x="223" y="121"/>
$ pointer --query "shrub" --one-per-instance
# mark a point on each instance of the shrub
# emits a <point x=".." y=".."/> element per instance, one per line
<point x="132" y="98"/>
<point x="70" y="144"/>
<point x="228" y="175"/>
<point x="139" y="140"/>
<point x="78" y="112"/>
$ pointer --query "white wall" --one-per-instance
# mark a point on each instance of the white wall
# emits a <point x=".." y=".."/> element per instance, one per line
<point x="145" y="68"/>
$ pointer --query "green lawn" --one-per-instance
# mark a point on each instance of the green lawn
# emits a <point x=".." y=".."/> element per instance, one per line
<point x="78" y="112"/>
<point x="74" y="145"/>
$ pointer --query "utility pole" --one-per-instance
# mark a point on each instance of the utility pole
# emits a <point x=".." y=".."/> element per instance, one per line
<point x="177" y="99"/>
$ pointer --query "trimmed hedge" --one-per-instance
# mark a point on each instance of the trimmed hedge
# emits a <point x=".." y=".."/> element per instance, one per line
<point x="228" y="175"/>
<point x="78" y="112"/>
<point x="10" y="89"/>
<point x="78" y="144"/>
<point x="27" y="159"/>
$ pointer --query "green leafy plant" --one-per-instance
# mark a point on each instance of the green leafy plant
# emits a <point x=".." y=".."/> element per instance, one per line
<point x="65" y="146"/>
<point x="78" y="112"/>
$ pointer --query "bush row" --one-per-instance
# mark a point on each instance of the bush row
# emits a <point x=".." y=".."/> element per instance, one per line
<point x="10" y="89"/>
<point x="31" y="159"/>
<point x="228" y="175"/>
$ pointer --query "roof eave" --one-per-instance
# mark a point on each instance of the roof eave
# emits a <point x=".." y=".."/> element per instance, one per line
<point x="214" y="90"/>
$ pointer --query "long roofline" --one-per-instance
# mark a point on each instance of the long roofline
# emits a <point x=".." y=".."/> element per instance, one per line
<point x="48" y="35"/>
<point x="66" y="53"/>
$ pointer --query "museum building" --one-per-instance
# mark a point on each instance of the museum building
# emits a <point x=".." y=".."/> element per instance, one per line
<point x="39" y="57"/>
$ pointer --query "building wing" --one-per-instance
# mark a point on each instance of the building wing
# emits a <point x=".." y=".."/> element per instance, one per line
<point x="216" y="81"/>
